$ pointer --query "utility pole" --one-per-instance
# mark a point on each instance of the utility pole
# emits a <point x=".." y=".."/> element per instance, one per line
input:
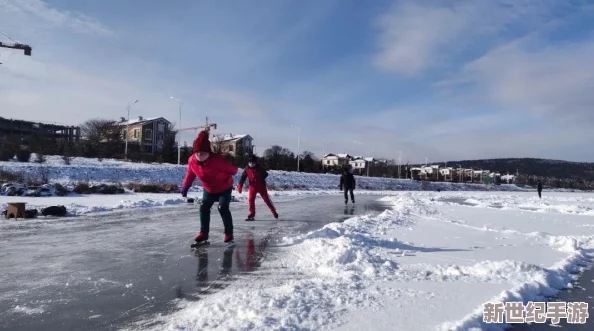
<point x="298" y="141"/>
<point x="181" y="103"/>
<point x="127" y="129"/>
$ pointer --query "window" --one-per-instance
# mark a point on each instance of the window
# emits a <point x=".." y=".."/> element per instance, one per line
<point x="160" y="136"/>
<point x="230" y="148"/>
<point x="136" y="133"/>
<point x="124" y="134"/>
<point x="148" y="134"/>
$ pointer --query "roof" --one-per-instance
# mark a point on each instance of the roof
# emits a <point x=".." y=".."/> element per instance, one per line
<point x="233" y="137"/>
<point x="138" y="121"/>
<point x="343" y="155"/>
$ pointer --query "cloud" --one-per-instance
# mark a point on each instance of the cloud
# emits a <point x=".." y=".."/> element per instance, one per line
<point x="39" y="13"/>
<point x="415" y="36"/>
<point x="555" y="81"/>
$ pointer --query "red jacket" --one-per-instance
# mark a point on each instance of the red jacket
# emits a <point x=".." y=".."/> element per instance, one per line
<point x="257" y="177"/>
<point x="216" y="174"/>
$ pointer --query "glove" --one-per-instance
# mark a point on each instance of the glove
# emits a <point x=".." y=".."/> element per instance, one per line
<point x="239" y="188"/>
<point x="184" y="191"/>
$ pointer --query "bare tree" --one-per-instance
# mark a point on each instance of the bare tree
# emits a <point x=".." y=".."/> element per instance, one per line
<point x="103" y="135"/>
<point x="216" y="142"/>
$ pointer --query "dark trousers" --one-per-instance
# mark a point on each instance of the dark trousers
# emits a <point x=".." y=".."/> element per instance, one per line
<point x="346" y="194"/>
<point x="540" y="194"/>
<point x="224" y="199"/>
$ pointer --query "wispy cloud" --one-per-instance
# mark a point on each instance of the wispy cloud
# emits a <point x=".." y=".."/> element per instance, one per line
<point x="39" y="13"/>
<point x="418" y="35"/>
<point x="556" y="81"/>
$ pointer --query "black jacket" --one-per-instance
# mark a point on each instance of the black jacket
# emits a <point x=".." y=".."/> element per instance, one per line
<point x="347" y="181"/>
<point x="539" y="187"/>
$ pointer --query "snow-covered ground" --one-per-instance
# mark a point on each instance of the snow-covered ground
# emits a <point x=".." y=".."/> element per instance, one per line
<point x="114" y="171"/>
<point x="428" y="263"/>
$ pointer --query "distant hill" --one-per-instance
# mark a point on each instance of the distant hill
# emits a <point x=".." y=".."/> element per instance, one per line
<point x="532" y="166"/>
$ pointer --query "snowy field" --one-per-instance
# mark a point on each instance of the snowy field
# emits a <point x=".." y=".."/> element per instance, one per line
<point x="115" y="171"/>
<point x="428" y="263"/>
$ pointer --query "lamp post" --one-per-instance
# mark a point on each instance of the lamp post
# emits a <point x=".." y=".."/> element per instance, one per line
<point x="366" y="162"/>
<point x="298" y="141"/>
<point x="399" y="162"/>
<point x="127" y="127"/>
<point x="181" y="103"/>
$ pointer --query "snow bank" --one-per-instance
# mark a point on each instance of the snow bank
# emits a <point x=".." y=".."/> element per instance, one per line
<point x="114" y="171"/>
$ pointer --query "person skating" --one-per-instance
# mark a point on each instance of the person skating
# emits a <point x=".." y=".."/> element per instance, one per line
<point x="216" y="175"/>
<point x="539" y="189"/>
<point x="347" y="182"/>
<point x="257" y="185"/>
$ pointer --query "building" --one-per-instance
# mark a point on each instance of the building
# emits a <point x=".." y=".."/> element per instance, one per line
<point x="234" y="145"/>
<point x="358" y="163"/>
<point x="23" y="129"/>
<point x="336" y="160"/>
<point x="146" y="135"/>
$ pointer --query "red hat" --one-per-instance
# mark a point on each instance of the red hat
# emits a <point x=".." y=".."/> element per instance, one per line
<point x="202" y="144"/>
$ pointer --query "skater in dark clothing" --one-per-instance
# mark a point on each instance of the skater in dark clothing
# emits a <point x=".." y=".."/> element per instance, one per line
<point x="257" y="179"/>
<point x="347" y="182"/>
<point x="539" y="189"/>
<point x="216" y="175"/>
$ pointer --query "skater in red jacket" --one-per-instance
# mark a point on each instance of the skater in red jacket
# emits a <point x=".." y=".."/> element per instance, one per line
<point x="257" y="177"/>
<point x="216" y="175"/>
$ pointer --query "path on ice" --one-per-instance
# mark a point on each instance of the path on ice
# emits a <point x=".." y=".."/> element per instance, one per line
<point x="104" y="270"/>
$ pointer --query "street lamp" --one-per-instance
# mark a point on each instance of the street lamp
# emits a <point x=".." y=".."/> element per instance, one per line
<point x="127" y="126"/>
<point x="399" y="162"/>
<point x="256" y="138"/>
<point x="181" y="103"/>
<point x="298" y="140"/>
<point x="366" y="163"/>
<point x="325" y="144"/>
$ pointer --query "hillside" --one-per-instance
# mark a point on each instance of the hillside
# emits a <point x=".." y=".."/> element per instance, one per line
<point x="533" y="167"/>
<point x="109" y="171"/>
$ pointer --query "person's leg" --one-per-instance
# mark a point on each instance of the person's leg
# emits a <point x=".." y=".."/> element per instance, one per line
<point x="266" y="198"/>
<point x="252" y="201"/>
<point x="224" y="201"/>
<point x="207" y="201"/>
<point x="352" y="195"/>
<point x="346" y="195"/>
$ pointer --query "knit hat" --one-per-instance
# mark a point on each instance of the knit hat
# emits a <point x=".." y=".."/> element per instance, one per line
<point x="253" y="159"/>
<point x="202" y="144"/>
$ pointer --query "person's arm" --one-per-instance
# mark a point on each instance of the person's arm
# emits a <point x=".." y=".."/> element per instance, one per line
<point x="354" y="182"/>
<point x="188" y="180"/>
<point x="264" y="174"/>
<point x="243" y="177"/>
<point x="242" y="181"/>
<point x="341" y="181"/>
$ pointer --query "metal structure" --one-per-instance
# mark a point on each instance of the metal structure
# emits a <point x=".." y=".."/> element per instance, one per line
<point x="206" y="127"/>
<point x="26" y="48"/>
<point x="23" y="47"/>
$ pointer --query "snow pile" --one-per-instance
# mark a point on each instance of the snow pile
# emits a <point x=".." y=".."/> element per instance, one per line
<point x="402" y="267"/>
<point x="111" y="171"/>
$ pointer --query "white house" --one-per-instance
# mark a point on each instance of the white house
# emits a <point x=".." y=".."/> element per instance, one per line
<point x="336" y="160"/>
<point x="358" y="163"/>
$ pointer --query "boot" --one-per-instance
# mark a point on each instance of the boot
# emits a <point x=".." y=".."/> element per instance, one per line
<point x="250" y="217"/>
<point x="275" y="214"/>
<point x="202" y="236"/>
<point x="228" y="237"/>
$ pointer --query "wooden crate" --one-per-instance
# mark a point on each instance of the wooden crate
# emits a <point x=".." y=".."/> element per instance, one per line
<point x="17" y="209"/>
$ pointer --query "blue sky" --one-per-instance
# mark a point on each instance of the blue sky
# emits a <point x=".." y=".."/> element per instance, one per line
<point x="445" y="80"/>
